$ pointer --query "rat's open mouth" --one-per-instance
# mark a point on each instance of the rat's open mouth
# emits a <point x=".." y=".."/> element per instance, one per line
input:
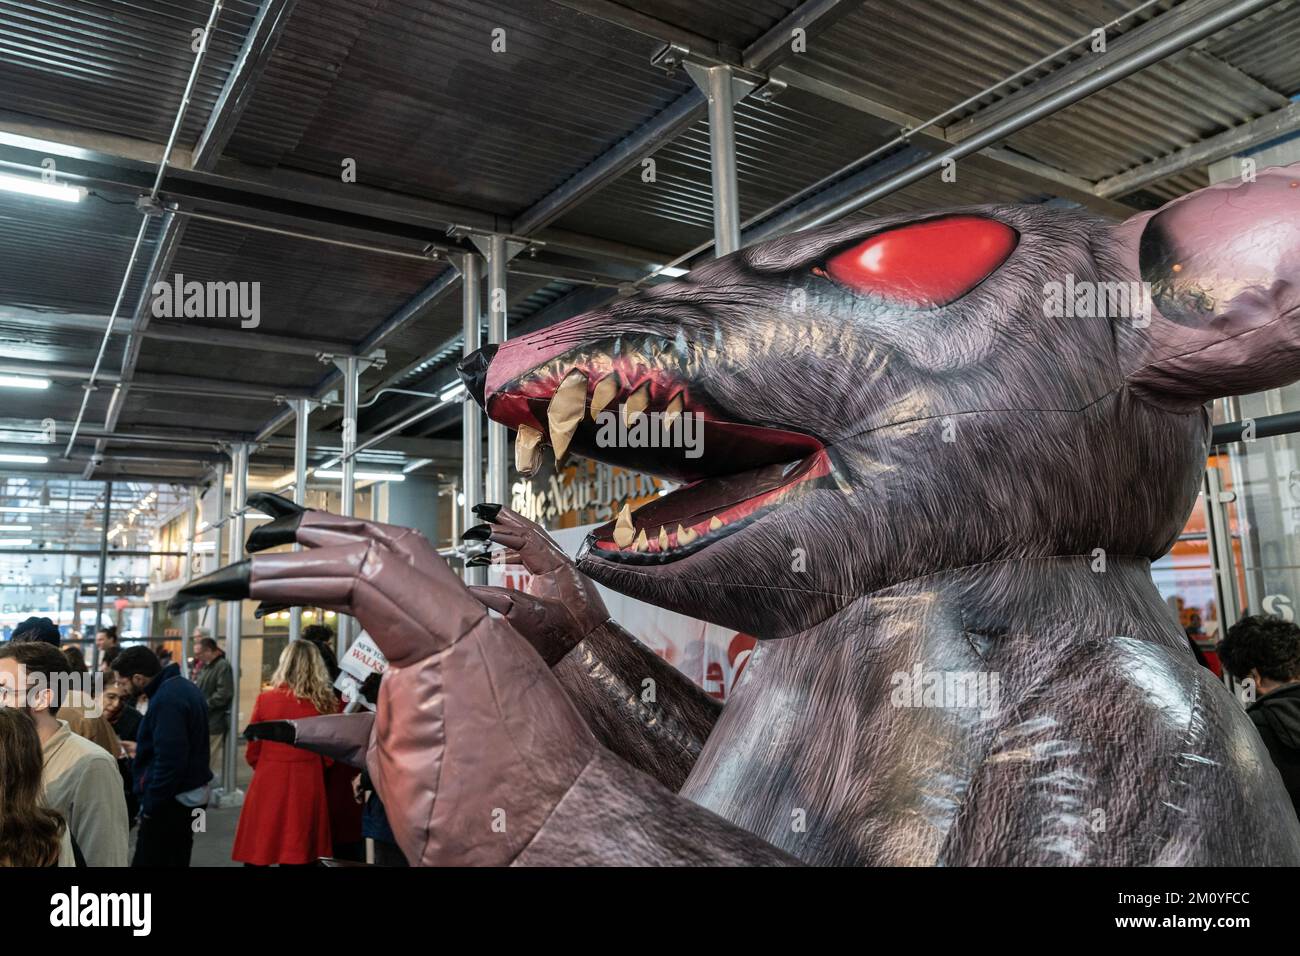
<point x="637" y="406"/>
<point x="692" y="518"/>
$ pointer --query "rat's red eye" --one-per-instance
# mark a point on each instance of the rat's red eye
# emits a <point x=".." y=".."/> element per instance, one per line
<point x="926" y="264"/>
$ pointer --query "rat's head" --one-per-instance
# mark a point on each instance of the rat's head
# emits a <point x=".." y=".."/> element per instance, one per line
<point x="855" y="405"/>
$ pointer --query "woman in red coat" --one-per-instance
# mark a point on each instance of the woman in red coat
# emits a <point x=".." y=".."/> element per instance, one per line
<point x="285" y="818"/>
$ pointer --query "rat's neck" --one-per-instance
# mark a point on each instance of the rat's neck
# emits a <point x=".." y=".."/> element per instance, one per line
<point x="909" y="682"/>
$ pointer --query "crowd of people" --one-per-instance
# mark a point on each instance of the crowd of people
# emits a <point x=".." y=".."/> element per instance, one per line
<point x="87" y="761"/>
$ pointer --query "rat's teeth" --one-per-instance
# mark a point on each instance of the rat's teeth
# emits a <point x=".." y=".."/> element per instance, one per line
<point x="605" y="391"/>
<point x="565" y="412"/>
<point x="663" y="538"/>
<point x="641" y="543"/>
<point x="623" y="530"/>
<point x="636" y="403"/>
<point x="714" y="523"/>
<point x="528" y="450"/>
<point x="686" y="535"/>
<point x="673" y="411"/>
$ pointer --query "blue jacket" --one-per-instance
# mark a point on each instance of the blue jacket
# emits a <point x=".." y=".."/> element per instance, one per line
<point x="171" y="755"/>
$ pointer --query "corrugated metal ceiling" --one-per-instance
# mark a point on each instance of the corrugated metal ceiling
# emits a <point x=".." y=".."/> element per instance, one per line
<point x="414" y="92"/>
<point x="115" y="66"/>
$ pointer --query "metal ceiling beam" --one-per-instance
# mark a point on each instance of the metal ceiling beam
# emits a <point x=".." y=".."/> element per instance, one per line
<point x="288" y="197"/>
<point x="190" y="385"/>
<point x="71" y="469"/>
<point x="1024" y="168"/>
<point x="263" y="35"/>
<point x="256" y="340"/>
<point x="55" y="370"/>
<point x="1029" y="106"/>
<point x="771" y="48"/>
<point x="1155" y="31"/>
<point x="769" y="54"/>
<point x="159" y="266"/>
<point x="688" y="109"/>
<point x="167" y="330"/>
<point x="1238" y="139"/>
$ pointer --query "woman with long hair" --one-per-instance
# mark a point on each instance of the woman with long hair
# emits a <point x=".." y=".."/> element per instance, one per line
<point x="31" y="834"/>
<point x="285" y="817"/>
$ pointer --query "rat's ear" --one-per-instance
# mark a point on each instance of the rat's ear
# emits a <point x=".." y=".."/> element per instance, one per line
<point x="1222" y="269"/>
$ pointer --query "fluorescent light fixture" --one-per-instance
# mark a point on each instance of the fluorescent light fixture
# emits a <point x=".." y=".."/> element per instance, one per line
<point x="363" y="475"/>
<point x="672" y="272"/>
<point x="14" y="542"/>
<point x="5" y="528"/>
<point x="205" y="546"/>
<point x="21" y="509"/>
<point x="35" y="187"/>
<point x="23" y="381"/>
<point x="25" y="460"/>
<point x="452" y="392"/>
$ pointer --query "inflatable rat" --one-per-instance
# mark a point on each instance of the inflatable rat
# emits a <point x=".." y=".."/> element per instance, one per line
<point x="927" y="460"/>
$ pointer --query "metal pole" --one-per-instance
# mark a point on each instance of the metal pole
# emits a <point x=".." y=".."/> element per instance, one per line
<point x="472" y="419"/>
<point x="177" y="123"/>
<point x="351" y="372"/>
<point x="188" y="619"/>
<point x="302" y="412"/>
<point x="219" y="546"/>
<point x="103" y="574"/>
<point x="722" y="156"/>
<point x="498" y="461"/>
<point x="230" y="794"/>
<point x="455" y="513"/>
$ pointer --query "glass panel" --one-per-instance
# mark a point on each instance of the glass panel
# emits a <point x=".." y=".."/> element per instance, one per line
<point x="1265" y="474"/>
<point x="1185" y="579"/>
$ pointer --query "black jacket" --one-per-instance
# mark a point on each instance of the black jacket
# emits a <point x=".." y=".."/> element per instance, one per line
<point x="171" y="750"/>
<point x="1277" y="718"/>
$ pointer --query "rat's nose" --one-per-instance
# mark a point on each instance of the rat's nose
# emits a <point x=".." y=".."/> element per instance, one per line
<point x="473" y="369"/>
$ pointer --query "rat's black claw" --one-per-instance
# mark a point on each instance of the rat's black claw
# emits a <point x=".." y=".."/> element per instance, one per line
<point x="480" y="532"/>
<point x="479" y="561"/>
<point x="263" y="609"/>
<point x="277" y="506"/>
<point x="473" y="370"/>
<point x="224" y="584"/>
<point x="487" y="510"/>
<point x="280" y="731"/>
<point x="283" y="530"/>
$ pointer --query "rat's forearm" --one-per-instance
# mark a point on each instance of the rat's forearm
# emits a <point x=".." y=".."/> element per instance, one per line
<point x="637" y="704"/>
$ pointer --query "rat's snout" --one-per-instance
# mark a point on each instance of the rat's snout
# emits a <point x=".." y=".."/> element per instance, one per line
<point x="1226" y="253"/>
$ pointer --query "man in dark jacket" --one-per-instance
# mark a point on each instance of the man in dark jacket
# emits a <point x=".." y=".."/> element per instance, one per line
<point x="171" y="758"/>
<point x="1266" y="651"/>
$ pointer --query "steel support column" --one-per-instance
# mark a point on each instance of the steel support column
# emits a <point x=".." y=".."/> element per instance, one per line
<point x="103" y="575"/>
<point x="230" y="794"/>
<point x="498" y="461"/>
<point x="472" y="417"/>
<point x="719" y="86"/>
<point x="302" y="413"/>
<point x="188" y="619"/>
<point x="347" y="506"/>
